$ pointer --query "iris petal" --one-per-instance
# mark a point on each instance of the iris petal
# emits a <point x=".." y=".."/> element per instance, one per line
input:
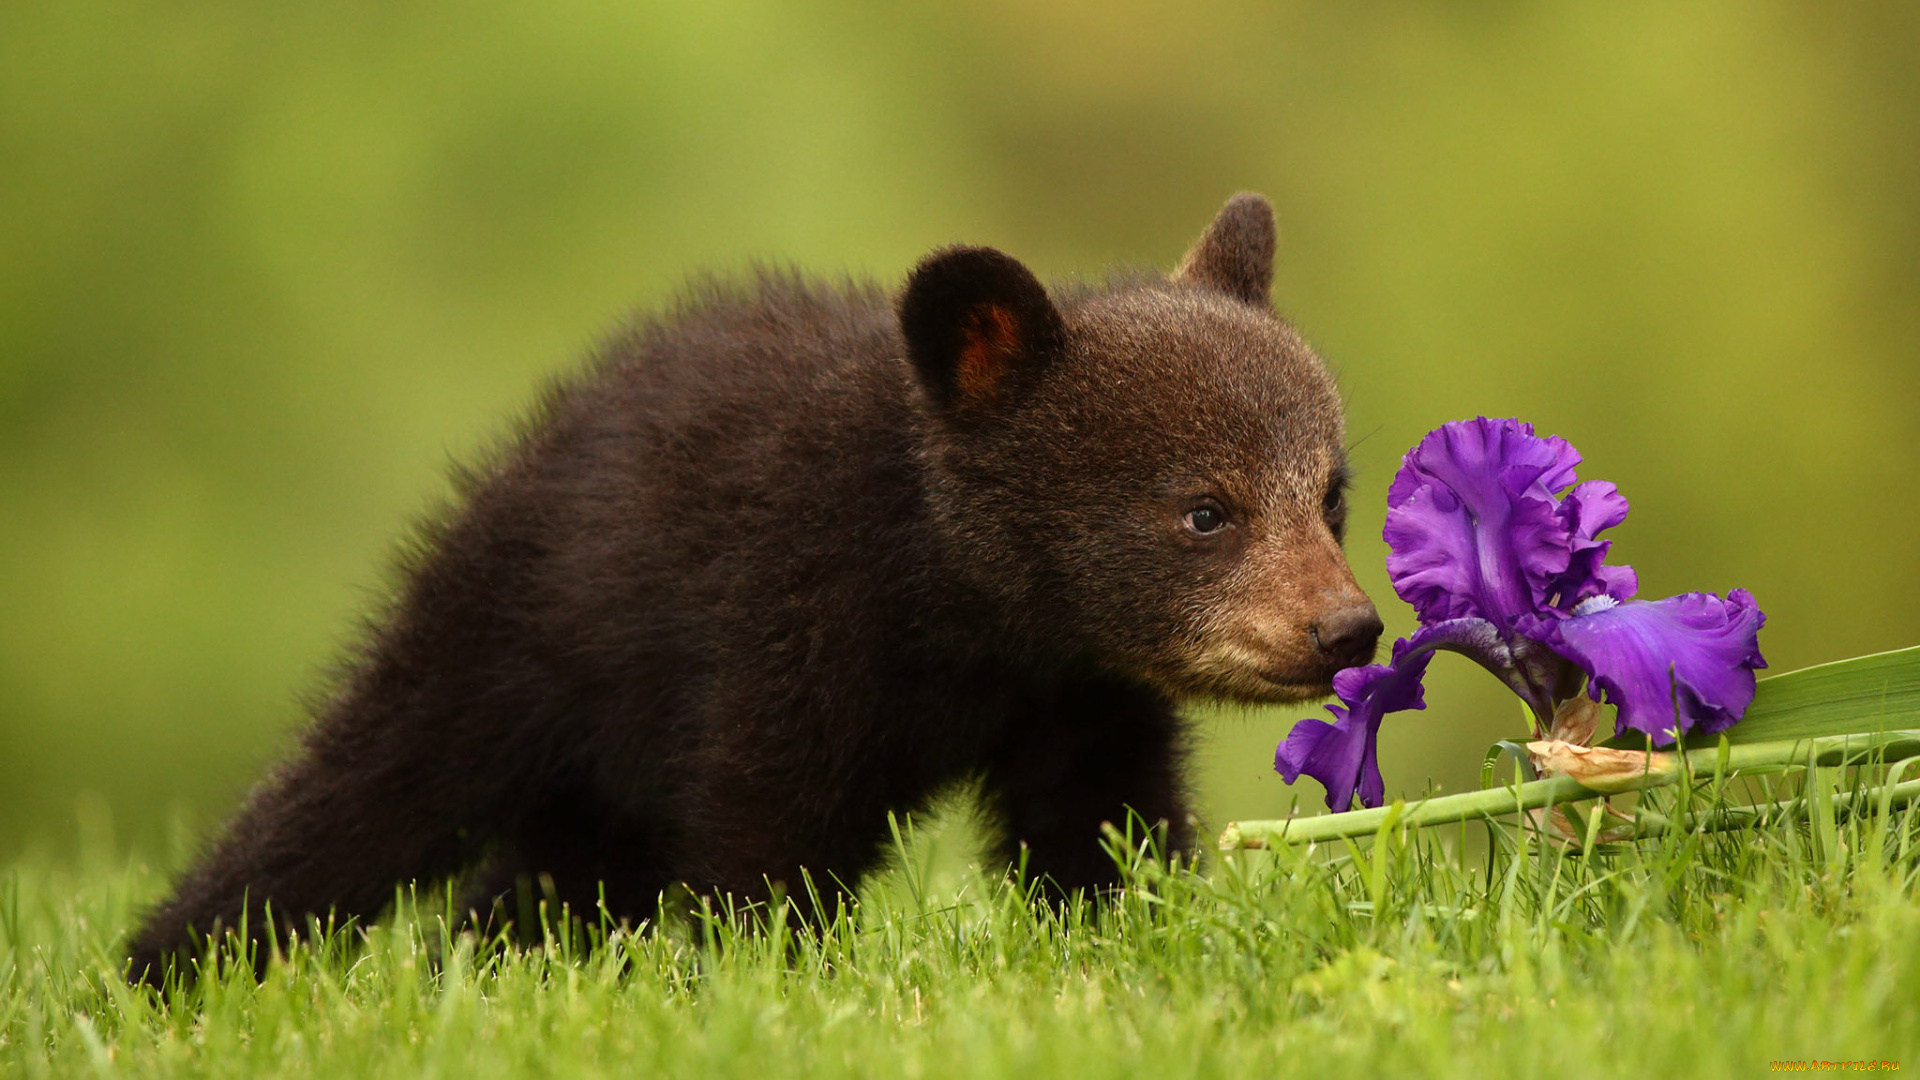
<point x="1341" y="754"/>
<point x="1473" y="523"/>
<point x="1586" y="511"/>
<point x="1688" y="658"/>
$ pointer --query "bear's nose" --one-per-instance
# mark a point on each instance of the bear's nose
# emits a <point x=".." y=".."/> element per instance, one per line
<point x="1348" y="635"/>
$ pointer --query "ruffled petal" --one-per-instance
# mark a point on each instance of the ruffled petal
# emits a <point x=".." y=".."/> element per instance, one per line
<point x="1473" y="523"/>
<point x="1585" y="512"/>
<point x="1688" y="658"/>
<point x="1342" y="755"/>
<point x="1592" y="508"/>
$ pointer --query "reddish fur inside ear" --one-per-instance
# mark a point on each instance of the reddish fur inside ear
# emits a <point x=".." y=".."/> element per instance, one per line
<point x="992" y="340"/>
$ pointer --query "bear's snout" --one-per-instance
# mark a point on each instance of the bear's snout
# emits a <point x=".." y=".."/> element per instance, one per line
<point x="1348" y="636"/>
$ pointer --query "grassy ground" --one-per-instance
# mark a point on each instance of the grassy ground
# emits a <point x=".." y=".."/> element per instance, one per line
<point x="1690" y="956"/>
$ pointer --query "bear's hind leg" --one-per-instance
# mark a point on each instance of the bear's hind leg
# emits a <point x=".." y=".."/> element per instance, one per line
<point x="330" y="836"/>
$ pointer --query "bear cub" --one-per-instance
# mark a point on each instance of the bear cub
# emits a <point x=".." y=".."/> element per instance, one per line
<point x="794" y="555"/>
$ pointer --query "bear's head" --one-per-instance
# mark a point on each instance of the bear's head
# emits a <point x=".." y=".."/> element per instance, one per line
<point x="1148" y="475"/>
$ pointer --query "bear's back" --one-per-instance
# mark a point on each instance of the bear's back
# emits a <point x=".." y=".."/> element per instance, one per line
<point x="737" y="461"/>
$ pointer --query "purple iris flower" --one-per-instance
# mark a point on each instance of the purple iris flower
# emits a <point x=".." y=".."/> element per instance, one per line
<point x="1495" y="544"/>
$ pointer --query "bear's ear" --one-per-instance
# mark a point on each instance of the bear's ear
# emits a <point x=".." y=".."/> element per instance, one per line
<point x="1235" y="254"/>
<point x="977" y="324"/>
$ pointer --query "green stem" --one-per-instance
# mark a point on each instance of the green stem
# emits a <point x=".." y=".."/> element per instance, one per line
<point x="1829" y="751"/>
<point x="1845" y="804"/>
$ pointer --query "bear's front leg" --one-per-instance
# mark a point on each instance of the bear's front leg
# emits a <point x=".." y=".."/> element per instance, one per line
<point x="1102" y="751"/>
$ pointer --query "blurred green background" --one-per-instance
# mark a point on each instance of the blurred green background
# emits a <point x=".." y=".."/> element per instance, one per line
<point x="265" y="269"/>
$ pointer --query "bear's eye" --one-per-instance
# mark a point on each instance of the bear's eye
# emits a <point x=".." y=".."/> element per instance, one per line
<point x="1206" y="519"/>
<point x="1333" y="505"/>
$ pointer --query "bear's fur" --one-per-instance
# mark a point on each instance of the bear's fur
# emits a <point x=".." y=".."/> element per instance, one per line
<point x="793" y="556"/>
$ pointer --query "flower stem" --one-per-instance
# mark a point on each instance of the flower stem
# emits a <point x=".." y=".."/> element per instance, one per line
<point x="1721" y="819"/>
<point x="1829" y="751"/>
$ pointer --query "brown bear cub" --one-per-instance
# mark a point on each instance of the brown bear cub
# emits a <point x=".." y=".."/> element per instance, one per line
<point x="796" y="555"/>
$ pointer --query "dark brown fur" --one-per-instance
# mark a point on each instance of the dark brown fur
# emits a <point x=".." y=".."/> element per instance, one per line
<point x="786" y="560"/>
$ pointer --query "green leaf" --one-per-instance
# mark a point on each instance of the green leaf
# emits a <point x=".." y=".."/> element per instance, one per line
<point x="1865" y="694"/>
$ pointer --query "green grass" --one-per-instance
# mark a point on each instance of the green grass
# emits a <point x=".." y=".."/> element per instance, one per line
<point x="1692" y="955"/>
